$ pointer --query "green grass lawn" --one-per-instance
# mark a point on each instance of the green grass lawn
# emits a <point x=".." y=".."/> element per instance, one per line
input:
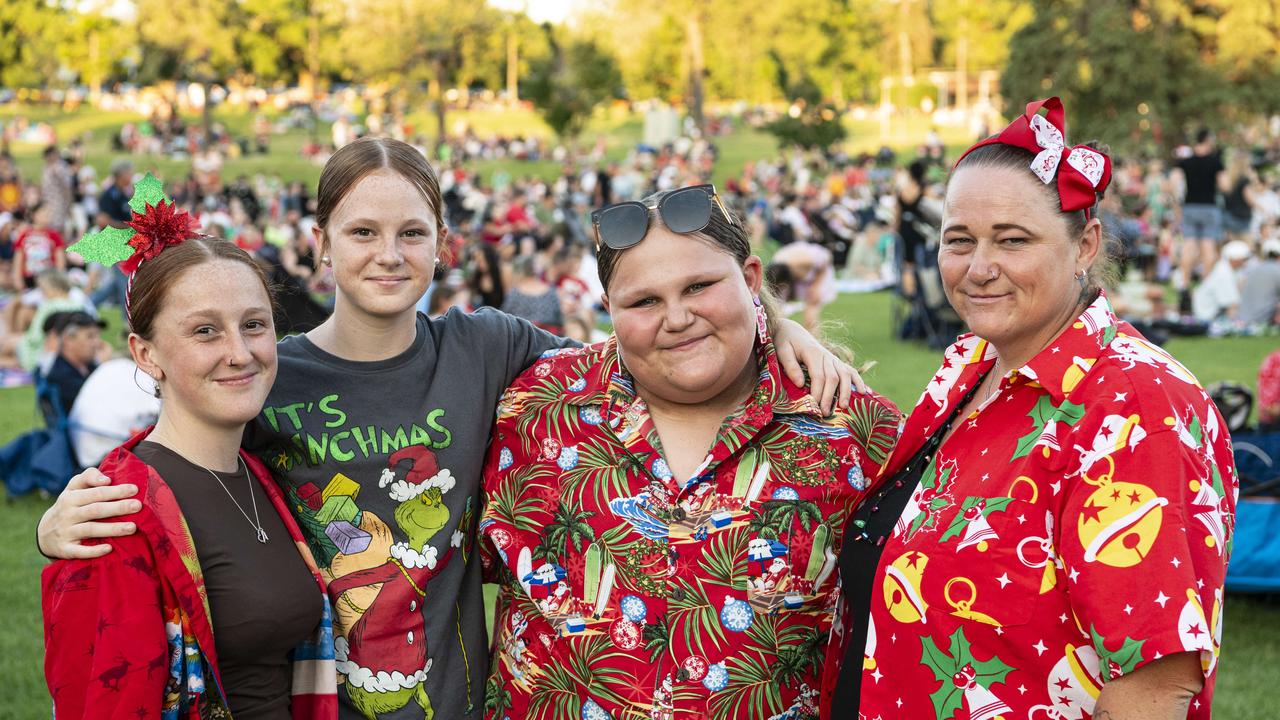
<point x="1252" y="626"/>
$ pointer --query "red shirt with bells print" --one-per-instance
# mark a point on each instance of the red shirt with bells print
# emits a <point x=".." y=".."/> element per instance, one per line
<point x="1074" y="528"/>
<point x="626" y="593"/>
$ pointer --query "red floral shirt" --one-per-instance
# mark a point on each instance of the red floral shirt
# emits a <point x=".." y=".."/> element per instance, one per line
<point x="628" y="594"/>
<point x="1074" y="528"/>
<point x="1269" y="389"/>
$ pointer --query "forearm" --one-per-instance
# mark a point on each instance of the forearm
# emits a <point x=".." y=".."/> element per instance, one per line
<point x="1161" y="690"/>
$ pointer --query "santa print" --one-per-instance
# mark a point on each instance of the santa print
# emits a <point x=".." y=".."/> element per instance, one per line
<point x="965" y="680"/>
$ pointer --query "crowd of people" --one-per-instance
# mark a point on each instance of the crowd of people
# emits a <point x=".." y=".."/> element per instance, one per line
<point x="679" y="519"/>
<point x="1200" y="230"/>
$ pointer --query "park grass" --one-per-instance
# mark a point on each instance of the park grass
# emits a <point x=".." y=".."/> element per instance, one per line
<point x="1252" y="625"/>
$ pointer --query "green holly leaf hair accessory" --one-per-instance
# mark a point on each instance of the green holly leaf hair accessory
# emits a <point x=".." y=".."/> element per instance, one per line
<point x="156" y="224"/>
<point x="107" y="247"/>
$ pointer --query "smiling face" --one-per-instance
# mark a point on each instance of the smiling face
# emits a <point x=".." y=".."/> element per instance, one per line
<point x="212" y="344"/>
<point x="684" y="316"/>
<point x="381" y="239"/>
<point x="1008" y="262"/>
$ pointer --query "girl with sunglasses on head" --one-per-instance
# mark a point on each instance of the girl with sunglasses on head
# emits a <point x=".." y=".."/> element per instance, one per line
<point x="375" y="430"/>
<point x="662" y="509"/>
<point x="214" y="607"/>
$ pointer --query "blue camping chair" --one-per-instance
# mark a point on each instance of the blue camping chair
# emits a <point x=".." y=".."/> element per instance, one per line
<point x="1255" y="558"/>
<point x="43" y="458"/>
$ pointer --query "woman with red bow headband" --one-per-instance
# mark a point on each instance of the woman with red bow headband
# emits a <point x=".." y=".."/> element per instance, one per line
<point x="1049" y="538"/>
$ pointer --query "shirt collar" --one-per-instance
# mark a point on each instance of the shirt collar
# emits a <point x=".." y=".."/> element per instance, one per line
<point x="1061" y="366"/>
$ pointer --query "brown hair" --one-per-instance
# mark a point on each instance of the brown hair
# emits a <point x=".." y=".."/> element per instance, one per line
<point x="150" y="284"/>
<point x="369" y="154"/>
<point x="723" y="232"/>
<point x="1105" y="270"/>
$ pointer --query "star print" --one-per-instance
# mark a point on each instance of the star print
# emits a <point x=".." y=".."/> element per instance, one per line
<point x="1105" y="432"/>
<point x="877" y="675"/>
<point x="1063" y="684"/>
<point x="899" y="703"/>
<point x="893" y="637"/>
<point x="1115" y="494"/>
<point x="963" y="387"/>
<point x="1121" y="396"/>
<point x="1161" y="599"/>
<point x="1056" y="350"/>
<point x="1091" y="512"/>
<point x="1176" y="562"/>
<point x="1055" y="487"/>
<point x="1200" y="584"/>
<point x="1040" y="647"/>
<point x="1128" y="609"/>
<point x="1074" y="574"/>
<point x="1195" y="630"/>
<point x="1022" y="519"/>
<point x="914" y="558"/>
<point x="1134" y="498"/>
<point x="1158" y="381"/>
<point x="1022" y="689"/>
<point x="984" y="450"/>
<point x="1000" y="631"/>
<point x="1197" y="704"/>
<point x="1062" y="617"/>
<point x="1003" y="580"/>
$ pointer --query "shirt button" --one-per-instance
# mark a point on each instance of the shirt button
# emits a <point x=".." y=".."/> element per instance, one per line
<point x="678" y="594"/>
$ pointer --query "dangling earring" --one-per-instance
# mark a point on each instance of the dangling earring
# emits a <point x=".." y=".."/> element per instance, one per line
<point x="324" y="260"/>
<point x="1082" y="278"/>
<point x="155" y="390"/>
<point x="762" y="320"/>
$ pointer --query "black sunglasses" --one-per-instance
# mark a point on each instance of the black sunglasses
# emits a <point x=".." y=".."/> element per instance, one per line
<point x="683" y="211"/>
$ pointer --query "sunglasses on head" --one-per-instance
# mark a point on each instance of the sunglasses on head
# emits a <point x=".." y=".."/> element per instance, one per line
<point x="683" y="211"/>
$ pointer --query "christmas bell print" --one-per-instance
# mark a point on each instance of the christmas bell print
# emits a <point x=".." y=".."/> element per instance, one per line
<point x="1073" y="686"/>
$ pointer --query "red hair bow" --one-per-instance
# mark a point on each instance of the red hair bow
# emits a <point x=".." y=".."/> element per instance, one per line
<point x="1085" y="172"/>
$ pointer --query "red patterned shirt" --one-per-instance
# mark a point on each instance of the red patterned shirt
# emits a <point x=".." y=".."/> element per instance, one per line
<point x="626" y="593"/>
<point x="1269" y="389"/>
<point x="1074" y="528"/>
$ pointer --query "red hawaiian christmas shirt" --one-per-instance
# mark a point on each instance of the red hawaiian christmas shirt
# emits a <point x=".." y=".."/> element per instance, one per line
<point x="628" y="594"/>
<point x="1074" y="528"/>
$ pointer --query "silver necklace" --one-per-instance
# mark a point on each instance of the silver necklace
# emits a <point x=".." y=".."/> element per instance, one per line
<point x="995" y="384"/>
<point x="257" y="525"/>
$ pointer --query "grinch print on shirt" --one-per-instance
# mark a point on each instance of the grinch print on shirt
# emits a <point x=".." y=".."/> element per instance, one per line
<point x="378" y="567"/>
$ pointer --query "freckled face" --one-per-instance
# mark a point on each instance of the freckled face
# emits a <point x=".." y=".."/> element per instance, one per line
<point x="214" y="344"/>
<point x="382" y="240"/>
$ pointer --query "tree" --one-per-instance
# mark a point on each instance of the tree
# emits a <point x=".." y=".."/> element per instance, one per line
<point x="196" y="39"/>
<point x="1146" y="73"/>
<point x="569" y="82"/>
<point x="276" y="38"/>
<point x="29" y="34"/>
<point x="810" y="123"/>
<point x="408" y="43"/>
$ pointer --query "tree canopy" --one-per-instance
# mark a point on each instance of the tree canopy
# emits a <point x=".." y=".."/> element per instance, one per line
<point x="1140" y="71"/>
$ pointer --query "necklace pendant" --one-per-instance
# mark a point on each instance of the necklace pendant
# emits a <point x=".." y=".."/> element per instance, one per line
<point x="262" y="535"/>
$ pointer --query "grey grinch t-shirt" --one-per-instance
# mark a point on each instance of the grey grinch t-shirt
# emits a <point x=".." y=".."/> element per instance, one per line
<point x="380" y="462"/>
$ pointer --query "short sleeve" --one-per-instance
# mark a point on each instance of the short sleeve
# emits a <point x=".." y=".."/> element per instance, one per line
<point x="517" y="500"/>
<point x="1144" y="537"/>
<point x="525" y="342"/>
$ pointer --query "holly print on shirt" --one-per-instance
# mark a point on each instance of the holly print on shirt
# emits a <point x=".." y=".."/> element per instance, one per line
<point x="1045" y="553"/>
<point x="627" y="593"/>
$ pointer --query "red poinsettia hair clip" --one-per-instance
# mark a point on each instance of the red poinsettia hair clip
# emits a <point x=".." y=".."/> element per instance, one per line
<point x="1082" y="173"/>
<point x="156" y="225"/>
